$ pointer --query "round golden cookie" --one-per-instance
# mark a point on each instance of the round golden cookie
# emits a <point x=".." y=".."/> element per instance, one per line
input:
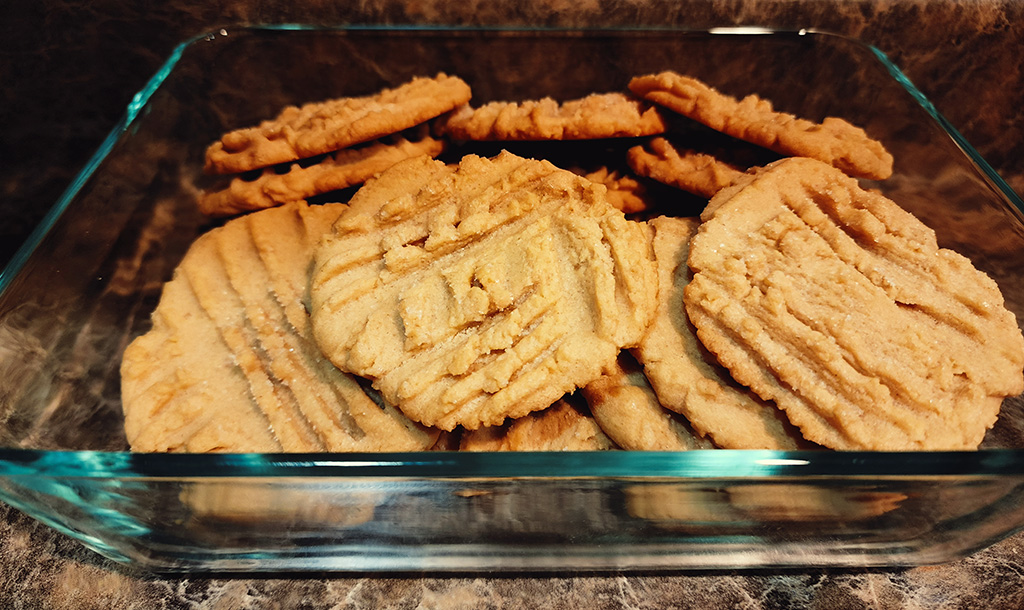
<point x="624" y="191"/>
<point x="317" y="128"/>
<point x="342" y="169"/>
<point x="685" y="377"/>
<point x="475" y="293"/>
<point x="839" y="305"/>
<point x="693" y="172"/>
<point x="600" y="115"/>
<point x="627" y="410"/>
<point x="753" y="119"/>
<point x="230" y="365"/>
<point x="560" y="427"/>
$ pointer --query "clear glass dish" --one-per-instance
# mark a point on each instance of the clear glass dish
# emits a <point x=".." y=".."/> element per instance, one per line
<point x="85" y="283"/>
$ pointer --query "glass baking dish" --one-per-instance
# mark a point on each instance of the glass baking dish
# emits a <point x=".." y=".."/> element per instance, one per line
<point x="84" y="285"/>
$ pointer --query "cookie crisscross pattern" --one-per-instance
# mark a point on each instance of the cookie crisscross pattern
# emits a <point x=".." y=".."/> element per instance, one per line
<point x="474" y="294"/>
<point x="230" y="364"/>
<point x="839" y="305"/>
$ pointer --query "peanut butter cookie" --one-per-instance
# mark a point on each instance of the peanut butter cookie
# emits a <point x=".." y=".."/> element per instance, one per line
<point x="561" y="427"/>
<point x="342" y="169"/>
<point x="600" y="115"/>
<point x="628" y="411"/>
<point x="691" y="171"/>
<point x="230" y="365"/>
<point x="475" y="293"/>
<point x="322" y="127"/>
<point x="685" y="376"/>
<point x="624" y="191"/>
<point x="754" y="120"/>
<point x="839" y="305"/>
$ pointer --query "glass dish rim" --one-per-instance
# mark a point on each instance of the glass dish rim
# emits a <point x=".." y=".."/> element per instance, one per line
<point x="634" y="465"/>
<point x="699" y="464"/>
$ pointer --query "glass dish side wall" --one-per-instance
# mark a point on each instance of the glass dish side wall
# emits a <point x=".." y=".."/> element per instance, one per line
<point x="266" y="515"/>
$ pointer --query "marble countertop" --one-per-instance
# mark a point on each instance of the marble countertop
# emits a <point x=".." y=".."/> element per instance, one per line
<point x="70" y="67"/>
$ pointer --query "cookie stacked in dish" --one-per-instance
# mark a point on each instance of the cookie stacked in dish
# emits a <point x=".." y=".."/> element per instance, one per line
<point x="507" y="302"/>
<point x="326" y="146"/>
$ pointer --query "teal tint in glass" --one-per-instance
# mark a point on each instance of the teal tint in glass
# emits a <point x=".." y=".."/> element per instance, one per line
<point x="85" y="284"/>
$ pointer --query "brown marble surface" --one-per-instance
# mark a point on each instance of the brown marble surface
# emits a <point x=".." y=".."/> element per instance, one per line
<point x="69" y="68"/>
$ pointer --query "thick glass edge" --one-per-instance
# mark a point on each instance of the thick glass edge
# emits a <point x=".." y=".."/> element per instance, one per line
<point x="692" y="464"/>
<point x="988" y="172"/>
<point x="702" y="464"/>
